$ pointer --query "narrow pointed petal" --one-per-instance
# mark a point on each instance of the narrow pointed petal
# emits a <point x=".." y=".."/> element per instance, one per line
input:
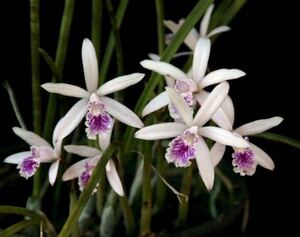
<point x="119" y="83"/>
<point x="258" y="126"/>
<point x="104" y="139"/>
<point x="185" y="112"/>
<point x="204" y="163"/>
<point x="217" y="152"/>
<point x="46" y="154"/>
<point x="228" y="108"/>
<point x="201" y="56"/>
<point x="66" y="89"/>
<point x="75" y="170"/>
<point x="30" y="137"/>
<point x="154" y="56"/>
<point x="53" y="171"/>
<point x="219" y="117"/>
<point x="262" y="158"/>
<point x="164" y="69"/>
<point x="121" y="112"/>
<point x="84" y="151"/>
<point x="114" y="179"/>
<point x="90" y="65"/>
<point x="160" y="131"/>
<point x="17" y="158"/>
<point x="220" y="75"/>
<point x="219" y="30"/>
<point x="205" y="21"/>
<point x="223" y="136"/>
<point x="211" y="104"/>
<point x="156" y="103"/>
<point x="68" y="123"/>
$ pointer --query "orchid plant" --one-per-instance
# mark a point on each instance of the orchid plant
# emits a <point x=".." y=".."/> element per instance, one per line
<point x="195" y="129"/>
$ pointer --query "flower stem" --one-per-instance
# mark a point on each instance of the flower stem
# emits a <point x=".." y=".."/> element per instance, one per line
<point x="172" y="48"/>
<point x="186" y="184"/>
<point x="111" y="41"/>
<point x="60" y="57"/>
<point x="279" y="138"/>
<point x="146" y="211"/>
<point x="85" y="195"/>
<point x="97" y="7"/>
<point x="128" y="216"/>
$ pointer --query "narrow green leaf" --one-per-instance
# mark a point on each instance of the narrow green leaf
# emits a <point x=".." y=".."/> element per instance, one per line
<point x="55" y="71"/>
<point x="279" y="138"/>
<point x="19" y="211"/>
<point x="17" y="227"/>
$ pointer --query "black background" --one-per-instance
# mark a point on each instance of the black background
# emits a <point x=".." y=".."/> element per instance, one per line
<point x="263" y="42"/>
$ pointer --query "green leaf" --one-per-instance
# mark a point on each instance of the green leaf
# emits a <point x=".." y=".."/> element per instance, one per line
<point x="17" y="227"/>
<point x="19" y="211"/>
<point x="280" y="138"/>
<point x="51" y="64"/>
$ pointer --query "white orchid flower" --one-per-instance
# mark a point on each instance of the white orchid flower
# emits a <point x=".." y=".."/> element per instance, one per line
<point x="191" y="87"/>
<point x="194" y="35"/>
<point x="40" y="152"/>
<point x="188" y="143"/>
<point x="84" y="168"/>
<point x="94" y="104"/>
<point x="245" y="160"/>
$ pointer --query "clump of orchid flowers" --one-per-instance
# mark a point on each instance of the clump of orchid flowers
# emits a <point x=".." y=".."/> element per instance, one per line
<point x="197" y="124"/>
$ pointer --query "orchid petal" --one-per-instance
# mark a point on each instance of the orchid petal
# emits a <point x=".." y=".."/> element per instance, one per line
<point x="46" y="154"/>
<point x="114" y="179"/>
<point x="119" y="83"/>
<point x="219" y="117"/>
<point x="201" y="56"/>
<point x="160" y="131"/>
<point x="258" y="126"/>
<point x="104" y="138"/>
<point x="90" y="65"/>
<point x="262" y="158"/>
<point x="219" y="30"/>
<point x="223" y="136"/>
<point x="17" y="157"/>
<point x="75" y="170"/>
<point x="205" y="21"/>
<point x="121" y="112"/>
<point x="228" y="108"/>
<point x="211" y="104"/>
<point x="68" y="123"/>
<point x="84" y="151"/>
<point x="30" y="137"/>
<point x="66" y="89"/>
<point x="163" y="68"/>
<point x="53" y="171"/>
<point x="156" y="103"/>
<point x="220" y="75"/>
<point x="204" y="163"/>
<point x="185" y="112"/>
<point x="217" y="151"/>
<point x="154" y="57"/>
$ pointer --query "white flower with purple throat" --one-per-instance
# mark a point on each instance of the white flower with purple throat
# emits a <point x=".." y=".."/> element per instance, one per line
<point x="83" y="169"/>
<point x="191" y="87"/>
<point x="98" y="109"/>
<point x="245" y="160"/>
<point x="188" y="143"/>
<point x="40" y="152"/>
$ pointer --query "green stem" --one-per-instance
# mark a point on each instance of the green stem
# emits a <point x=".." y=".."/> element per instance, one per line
<point x="116" y="35"/>
<point x="10" y="231"/>
<point x="279" y="138"/>
<point x="36" y="92"/>
<point x="59" y="62"/>
<point x="186" y="27"/>
<point x="35" y="63"/>
<point x="19" y="211"/>
<point x="128" y="216"/>
<point x="100" y="195"/>
<point x="85" y="195"/>
<point x="97" y="7"/>
<point x="159" y="7"/>
<point x="159" y="4"/>
<point x="146" y="211"/>
<point x="186" y="184"/>
<point x="73" y="199"/>
<point x="111" y="42"/>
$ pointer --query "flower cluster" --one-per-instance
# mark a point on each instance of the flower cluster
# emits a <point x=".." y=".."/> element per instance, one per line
<point x="196" y="113"/>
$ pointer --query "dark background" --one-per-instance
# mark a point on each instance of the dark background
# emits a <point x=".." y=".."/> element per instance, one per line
<point x="263" y="42"/>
